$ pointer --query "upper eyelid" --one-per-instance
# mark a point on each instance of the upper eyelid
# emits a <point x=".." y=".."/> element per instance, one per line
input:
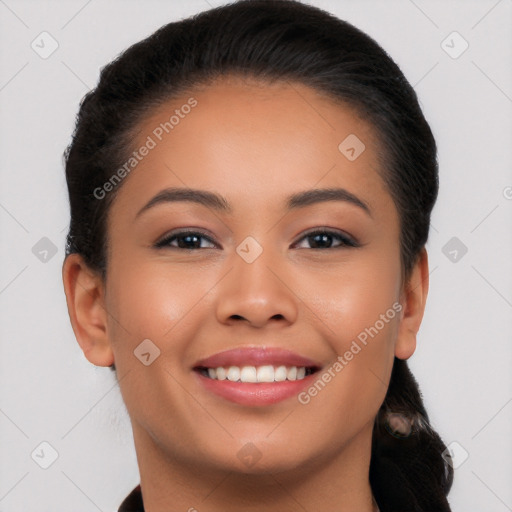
<point x="333" y="231"/>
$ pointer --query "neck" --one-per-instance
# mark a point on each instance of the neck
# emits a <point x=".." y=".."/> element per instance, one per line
<point x="336" y="483"/>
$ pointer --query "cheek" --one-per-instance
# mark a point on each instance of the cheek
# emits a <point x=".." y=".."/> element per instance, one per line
<point x="368" y="311"/>
<point x="164" y="307"/>
<point x="363" y="326"/>
<point x="151" y="302"/>
<point x="359" y="306"/>
<point x="357" y="298"/>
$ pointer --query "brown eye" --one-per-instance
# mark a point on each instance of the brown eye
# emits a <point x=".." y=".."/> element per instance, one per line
<point x="185" y="240"/>
<point x="327" y="239"/>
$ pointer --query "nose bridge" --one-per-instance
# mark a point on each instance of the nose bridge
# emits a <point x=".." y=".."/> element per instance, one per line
<point x="254" y="290"/>
<point x="253" y="264"/>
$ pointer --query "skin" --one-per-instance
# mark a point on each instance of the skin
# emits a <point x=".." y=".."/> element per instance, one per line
<point x="255" y="144"/>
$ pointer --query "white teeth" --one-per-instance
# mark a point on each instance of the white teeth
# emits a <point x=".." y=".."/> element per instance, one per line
<point x="280" y="373"/>
<point x="233" y="373"/>
<point x="248" y="374"/>
<point x="291" y="374"/>
<point x="267" y="373"/>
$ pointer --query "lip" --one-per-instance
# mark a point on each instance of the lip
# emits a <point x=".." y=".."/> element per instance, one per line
<point x="254" y="394"/>
<point x="256" y="356"/>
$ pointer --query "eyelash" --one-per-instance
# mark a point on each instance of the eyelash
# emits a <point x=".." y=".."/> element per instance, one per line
<point x="345" y="241"/>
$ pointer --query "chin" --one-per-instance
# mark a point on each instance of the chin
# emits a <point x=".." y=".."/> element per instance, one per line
<point x="260" y="457"/>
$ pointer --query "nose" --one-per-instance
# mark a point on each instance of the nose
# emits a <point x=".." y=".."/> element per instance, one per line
<point x="257" y="293"/>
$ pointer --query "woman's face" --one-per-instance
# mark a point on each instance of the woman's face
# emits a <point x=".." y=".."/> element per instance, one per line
<point x="251" y="275"/>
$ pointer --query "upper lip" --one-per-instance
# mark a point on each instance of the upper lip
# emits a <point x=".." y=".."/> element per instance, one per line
<point x="256" y="356"/>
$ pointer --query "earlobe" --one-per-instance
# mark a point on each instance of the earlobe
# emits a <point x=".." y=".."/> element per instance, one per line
<point x="84" y="291"/>
<point x="414" y="296"/>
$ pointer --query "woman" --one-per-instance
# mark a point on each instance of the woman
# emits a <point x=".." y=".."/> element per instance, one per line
<point x="250" y="195"/>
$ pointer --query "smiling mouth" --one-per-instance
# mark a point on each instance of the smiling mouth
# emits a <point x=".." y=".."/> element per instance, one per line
<point x="257" y="374"/>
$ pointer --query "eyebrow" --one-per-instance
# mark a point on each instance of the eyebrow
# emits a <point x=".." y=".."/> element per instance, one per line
<point x="221" y="204"/>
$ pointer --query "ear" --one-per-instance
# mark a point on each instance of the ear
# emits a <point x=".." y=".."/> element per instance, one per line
<point x="413" y="300"/>
<point x="85" y="299"/>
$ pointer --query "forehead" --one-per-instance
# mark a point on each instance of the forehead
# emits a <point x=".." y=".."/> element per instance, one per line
<point x="255" y="141"/>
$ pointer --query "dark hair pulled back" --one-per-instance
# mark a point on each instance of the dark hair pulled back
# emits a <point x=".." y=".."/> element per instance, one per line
<point x="280" y="40"/>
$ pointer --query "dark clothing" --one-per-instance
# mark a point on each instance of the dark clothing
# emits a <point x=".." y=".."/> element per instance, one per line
<point x="133" y="502"/>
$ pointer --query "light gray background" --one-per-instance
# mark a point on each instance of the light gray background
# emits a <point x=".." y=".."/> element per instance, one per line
<point x="50" y="392"/>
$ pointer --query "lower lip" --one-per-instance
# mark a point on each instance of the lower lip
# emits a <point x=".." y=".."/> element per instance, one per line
<point x="255" y="393"/>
